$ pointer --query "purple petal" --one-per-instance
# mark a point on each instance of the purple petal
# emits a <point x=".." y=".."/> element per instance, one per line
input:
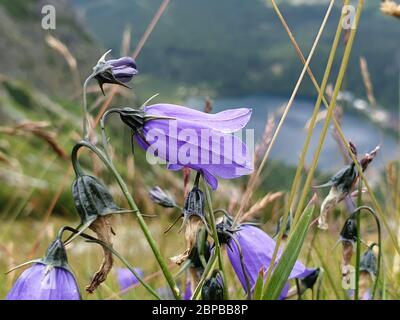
<point x="188" y="290"/>
<point x="226" y="121"/>
<point x="257" y="249"/>
<point x="123" y="62"/>
<point x="367" y="295"/>
<point x="126" y="278"/>
<point x="196" y="140"/>
<point x="37" y="284"/>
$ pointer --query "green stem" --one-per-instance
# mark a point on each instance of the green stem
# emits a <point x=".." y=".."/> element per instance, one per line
<point x="85" y="112"/>
<point x="116" y="253"/>
<point x="378" y="225"/>
<point x="204" y="276"/>
<point x="358" y="248"/>
<point x="217" y="246"/>
<point x="331" y="109"/>
<point x="308" y="139"/>
<point x="296" y="181"/>
<point x="103" y="157"/>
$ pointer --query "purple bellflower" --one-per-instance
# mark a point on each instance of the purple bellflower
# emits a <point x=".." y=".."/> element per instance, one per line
<point x="49" y="278"/>
<point x="116" y="71"/>
<point x="250" y="249"/>
<point x="183" y="137"/>
<point x="126" y="278"/>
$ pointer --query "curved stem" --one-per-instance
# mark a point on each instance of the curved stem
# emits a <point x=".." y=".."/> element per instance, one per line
<point x="103" y="157"/>
<point x="358" y="248"/>
<point x="103" y="130"/>
<point x="116" y="253"/>
<point x="85" y="112"/>
<point x="378" y="225"/>
<point x="246" y="277"/>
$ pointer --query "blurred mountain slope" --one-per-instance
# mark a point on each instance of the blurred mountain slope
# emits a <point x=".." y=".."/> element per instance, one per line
<point x="27" y="57"/>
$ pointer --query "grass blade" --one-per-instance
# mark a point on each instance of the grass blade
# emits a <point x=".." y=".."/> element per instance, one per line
<point x="289" y="256"/>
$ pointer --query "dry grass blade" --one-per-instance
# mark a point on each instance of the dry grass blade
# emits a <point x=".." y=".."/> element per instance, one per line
<point x="61" y="48"/>
<point x="260" y="205"/>
<point x="367" y="81"/>
<point x="135" y="54"/>
<point x="38" y="129"/>
<point x="252" y="182"/>
<point x="266" y="139"/>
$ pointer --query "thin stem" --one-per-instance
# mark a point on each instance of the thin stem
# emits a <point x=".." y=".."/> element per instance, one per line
<point x="358" y="248"/>
<point x="285" y="218"/>
<point x="331" y="109"/>
<point x="342" y="136"/>
<point x="217" y="246"/>
<point x="252" y="182"/>
<point x="136" y="211"/>
<point x="116" y="253"/>
<point x="205" y="274"/>
<point x="85" y="112"/>
<point x="378" y="225"/>
<point x="245" y="275"/>
<point x="321" y="90"/>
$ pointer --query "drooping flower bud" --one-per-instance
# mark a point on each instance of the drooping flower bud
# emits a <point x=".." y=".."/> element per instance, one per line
<point x="342" y="184"/>
<point x="349" y="230"/>
<point x="213" y="288"/>
<point x="92" y="199"/>
<point x="50" y="278"/>
<point x="193" y="221"/>
<point x="368" y="262"/>
<point x="118" y="71"/>
<point x="162" y="198"/>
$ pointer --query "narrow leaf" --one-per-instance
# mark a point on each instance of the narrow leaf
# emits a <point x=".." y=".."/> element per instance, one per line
<point x="289" y="256"/>
<point x="258" y="288"/>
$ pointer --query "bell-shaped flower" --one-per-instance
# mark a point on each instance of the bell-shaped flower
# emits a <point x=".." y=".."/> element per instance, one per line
<point x="249" y="249"/>
<point x="49" y="278"/>
<point x="183" y="137"/>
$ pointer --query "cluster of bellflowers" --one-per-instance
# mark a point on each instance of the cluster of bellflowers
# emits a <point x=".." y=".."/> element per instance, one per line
<point x="51" y="277"/>
<point x="208" y="233"/>
<point x="344" y="187"/>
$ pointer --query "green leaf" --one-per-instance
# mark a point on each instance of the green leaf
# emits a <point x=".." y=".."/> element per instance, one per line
<point x="258" y="288"/>
<point x="289" y="256"/>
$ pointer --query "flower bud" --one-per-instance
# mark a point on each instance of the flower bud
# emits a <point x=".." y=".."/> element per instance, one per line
<point x="92" y="199"/>
<point x="162" y="198"/>
<point x="213" y="288"/>
<point x="349" y="230"/>
<point x="368" y="262"/>
<point x="119" y="71"/>
<point x="193" y="221"/>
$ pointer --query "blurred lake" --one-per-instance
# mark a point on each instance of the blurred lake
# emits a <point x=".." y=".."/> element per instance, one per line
<point x="363" y="133"/>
